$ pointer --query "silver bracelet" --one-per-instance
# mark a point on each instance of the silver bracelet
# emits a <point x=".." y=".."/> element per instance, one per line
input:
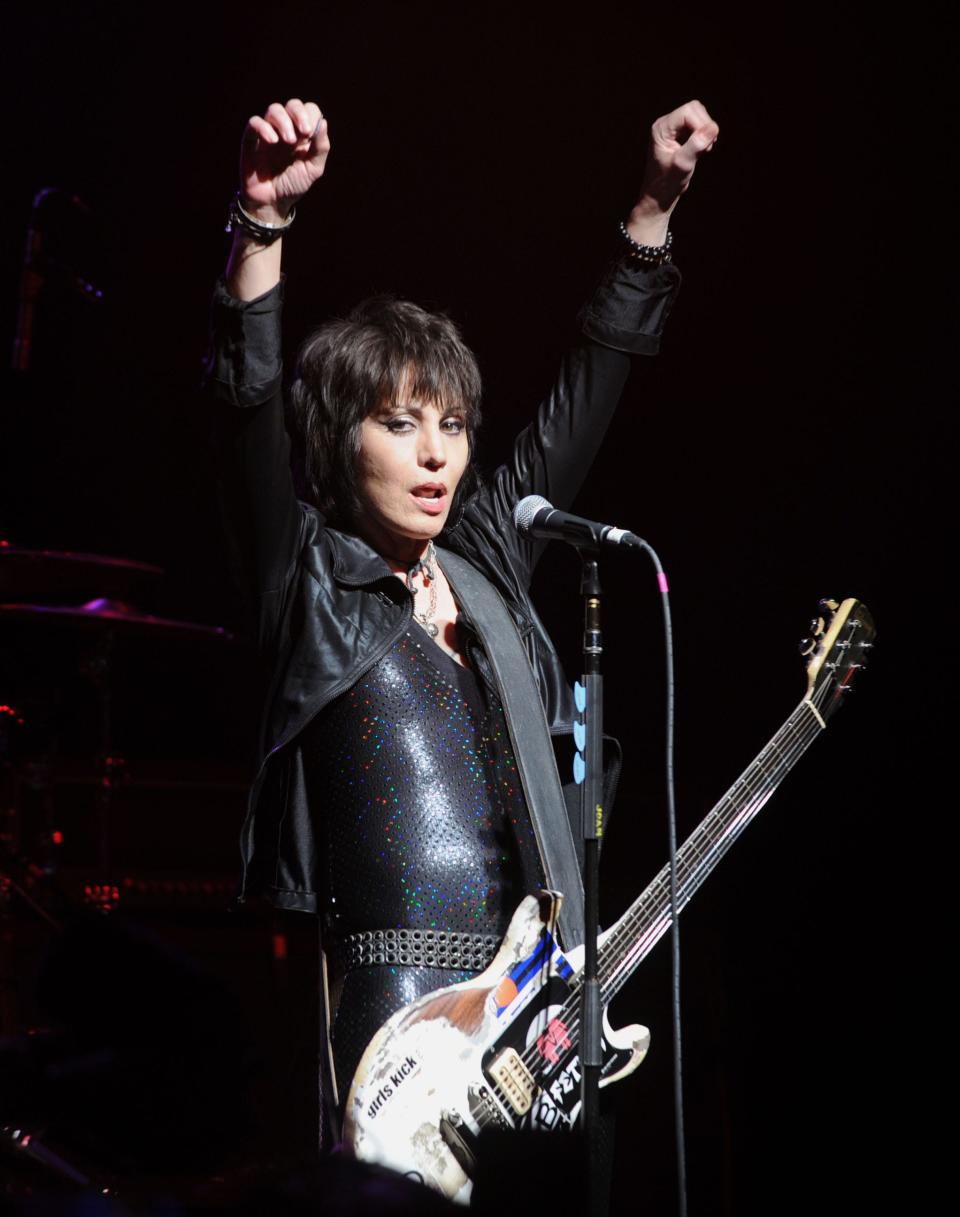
<point x="649" y="255"/>
<point x="264" y="234"/>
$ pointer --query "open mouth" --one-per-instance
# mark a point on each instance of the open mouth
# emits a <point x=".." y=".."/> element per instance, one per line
<point x="432" y="496"/>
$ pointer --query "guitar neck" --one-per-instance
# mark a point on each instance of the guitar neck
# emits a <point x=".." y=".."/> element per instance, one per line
<point x="650" y="916"/>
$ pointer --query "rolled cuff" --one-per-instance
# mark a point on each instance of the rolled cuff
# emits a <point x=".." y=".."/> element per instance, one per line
<point x="244" y="365"/>
<point x="630" y="306"/>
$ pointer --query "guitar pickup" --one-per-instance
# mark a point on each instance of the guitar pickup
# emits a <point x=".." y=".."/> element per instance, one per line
<point x="514" y="1080"/>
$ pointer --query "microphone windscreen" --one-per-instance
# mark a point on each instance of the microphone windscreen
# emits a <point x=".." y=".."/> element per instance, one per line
<point x="526" y="510"/>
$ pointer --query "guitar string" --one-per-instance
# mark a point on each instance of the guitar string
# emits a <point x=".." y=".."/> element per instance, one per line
<point x="693" y="876"/>
<point x="699" y="855"/>
<point x="712" y="840"/>
<point x="721" y="828"/>
<point x="482" y="1119"/>
<point x="797" y="733"/>
<point x="708" y="844"/>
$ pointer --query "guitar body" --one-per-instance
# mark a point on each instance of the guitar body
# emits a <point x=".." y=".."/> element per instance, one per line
<point x="492" y="1052"/>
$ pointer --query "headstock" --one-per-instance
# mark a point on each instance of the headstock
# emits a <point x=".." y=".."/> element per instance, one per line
<point x="839" y="647"/>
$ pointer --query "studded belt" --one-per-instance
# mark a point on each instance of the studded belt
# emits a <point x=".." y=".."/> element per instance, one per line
<point x="417" y="948"/>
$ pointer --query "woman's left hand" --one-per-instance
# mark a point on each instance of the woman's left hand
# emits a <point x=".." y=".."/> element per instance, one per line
<point x="677" y="141"/>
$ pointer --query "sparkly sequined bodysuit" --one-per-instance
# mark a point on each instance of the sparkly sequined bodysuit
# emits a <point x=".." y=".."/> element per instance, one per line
<point x="425" y="826"/>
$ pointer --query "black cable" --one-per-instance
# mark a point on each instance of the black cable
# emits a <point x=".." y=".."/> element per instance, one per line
<point x="674" y="902"/>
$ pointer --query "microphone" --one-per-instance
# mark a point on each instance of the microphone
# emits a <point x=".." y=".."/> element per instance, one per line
<point x="535" y="517"/>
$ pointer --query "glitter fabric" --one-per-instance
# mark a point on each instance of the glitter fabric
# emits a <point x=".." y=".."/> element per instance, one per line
<point x="412" y="777"/>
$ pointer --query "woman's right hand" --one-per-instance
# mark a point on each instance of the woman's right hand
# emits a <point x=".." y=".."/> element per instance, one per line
<point x="281" y="156"/>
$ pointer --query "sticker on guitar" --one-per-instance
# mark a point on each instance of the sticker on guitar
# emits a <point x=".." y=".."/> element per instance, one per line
<point x="386" y="1092"/>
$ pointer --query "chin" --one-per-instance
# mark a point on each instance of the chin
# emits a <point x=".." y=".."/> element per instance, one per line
<point x="430" y="529"/>
<point x="428" y="534"/>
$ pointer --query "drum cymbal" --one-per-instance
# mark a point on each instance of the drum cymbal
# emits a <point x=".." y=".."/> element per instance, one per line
<point x="39" y="573"/>
<point x="111" y="614"/>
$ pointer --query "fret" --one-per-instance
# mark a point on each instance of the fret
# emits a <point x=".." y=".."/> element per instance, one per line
<point x="649" y="918"/>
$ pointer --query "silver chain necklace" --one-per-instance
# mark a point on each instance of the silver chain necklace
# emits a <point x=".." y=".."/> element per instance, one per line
<point x="427" y="567"/>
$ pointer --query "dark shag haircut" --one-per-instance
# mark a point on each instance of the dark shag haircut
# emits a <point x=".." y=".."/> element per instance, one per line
<point x="348" y="368"/>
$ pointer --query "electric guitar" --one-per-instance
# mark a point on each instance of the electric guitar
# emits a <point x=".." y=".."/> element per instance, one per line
<point x="501" y="1050"/>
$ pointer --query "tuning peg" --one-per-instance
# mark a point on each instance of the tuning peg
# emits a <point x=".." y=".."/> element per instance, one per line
<point x="807" y="646"/>
<point x="817" y="627"/>
<point x="830" y="605"/>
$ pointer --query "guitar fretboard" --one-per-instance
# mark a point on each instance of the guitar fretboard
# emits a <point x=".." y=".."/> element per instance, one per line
<point x="650" y="916"/>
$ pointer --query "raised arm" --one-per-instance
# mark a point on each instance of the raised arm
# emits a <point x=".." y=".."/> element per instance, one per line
<point x="625" y="317"/>
<point x="281" y="156"/>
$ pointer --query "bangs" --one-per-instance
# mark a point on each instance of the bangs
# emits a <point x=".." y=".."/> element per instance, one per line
<point x="425" y="384"/>
<point x="394" y="363"/>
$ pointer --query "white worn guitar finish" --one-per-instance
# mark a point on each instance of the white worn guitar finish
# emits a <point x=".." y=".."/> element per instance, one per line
<point x="502" y="1050"/>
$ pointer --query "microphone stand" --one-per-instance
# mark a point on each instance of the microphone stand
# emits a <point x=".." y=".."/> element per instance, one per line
<point x="35" y="270"/>
<point x="588" y="771"/>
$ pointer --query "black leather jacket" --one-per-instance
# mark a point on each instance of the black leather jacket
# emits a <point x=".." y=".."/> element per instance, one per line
<point x="326" y="606"/>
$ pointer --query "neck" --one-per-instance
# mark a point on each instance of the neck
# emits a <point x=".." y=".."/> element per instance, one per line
<point x="401" y="555"/>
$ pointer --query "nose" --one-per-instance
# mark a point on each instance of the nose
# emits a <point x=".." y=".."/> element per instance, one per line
<point x="433" y="445"/>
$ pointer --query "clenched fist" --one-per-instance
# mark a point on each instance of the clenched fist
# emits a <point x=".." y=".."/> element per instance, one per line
<point x="677" y="141"/>
<point x="282" y="155"/>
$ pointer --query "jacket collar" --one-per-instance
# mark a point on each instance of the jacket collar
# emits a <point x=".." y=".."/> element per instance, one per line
<point x="354" y="561"/>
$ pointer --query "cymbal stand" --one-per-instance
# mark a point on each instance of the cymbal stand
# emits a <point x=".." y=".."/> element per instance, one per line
<point x="97" y="668"/>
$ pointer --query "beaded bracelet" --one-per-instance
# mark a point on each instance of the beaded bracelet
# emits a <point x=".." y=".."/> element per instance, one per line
<point x="649" y="255"/>
<point x="264" y="234"/>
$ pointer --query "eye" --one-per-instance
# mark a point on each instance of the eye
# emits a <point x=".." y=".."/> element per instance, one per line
<point x="453" y="426"/>
<point x="398" y="426"/>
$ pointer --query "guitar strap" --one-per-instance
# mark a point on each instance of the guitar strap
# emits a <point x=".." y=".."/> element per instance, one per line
<point x="529" y="734"/>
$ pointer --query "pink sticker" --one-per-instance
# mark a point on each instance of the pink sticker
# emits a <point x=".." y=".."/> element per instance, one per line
<point x="555" y="1037"/>
<point x="662" y="581"/>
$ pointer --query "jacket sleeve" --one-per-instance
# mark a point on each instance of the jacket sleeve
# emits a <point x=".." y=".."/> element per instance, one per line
<point x="262" y="515"/>
<point x="552" y="456"/>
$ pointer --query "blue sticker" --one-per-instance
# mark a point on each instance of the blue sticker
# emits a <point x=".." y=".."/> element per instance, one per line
<point x="579" y="769"/>
<point x="580" y="735"/>
<point x="580" y="696"/>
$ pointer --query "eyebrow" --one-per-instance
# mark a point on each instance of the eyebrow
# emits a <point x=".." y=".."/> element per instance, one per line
<point x="389" y="408"/>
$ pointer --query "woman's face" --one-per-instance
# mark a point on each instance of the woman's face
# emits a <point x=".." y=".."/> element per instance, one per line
<point x="411" y="459"/>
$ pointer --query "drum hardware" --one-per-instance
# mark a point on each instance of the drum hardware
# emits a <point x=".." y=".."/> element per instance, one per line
<point x="72" y="840"/>
<point x="10" y="719"/>
<point x="10" y="715"/>
<point x="108" y="615"/>
<point x="104" y="897"/>
<point x="37" y="574"/>
<point x="22" y="1142"/>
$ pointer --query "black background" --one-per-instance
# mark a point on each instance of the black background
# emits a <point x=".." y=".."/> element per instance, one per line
<point x="791" y="442"/>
